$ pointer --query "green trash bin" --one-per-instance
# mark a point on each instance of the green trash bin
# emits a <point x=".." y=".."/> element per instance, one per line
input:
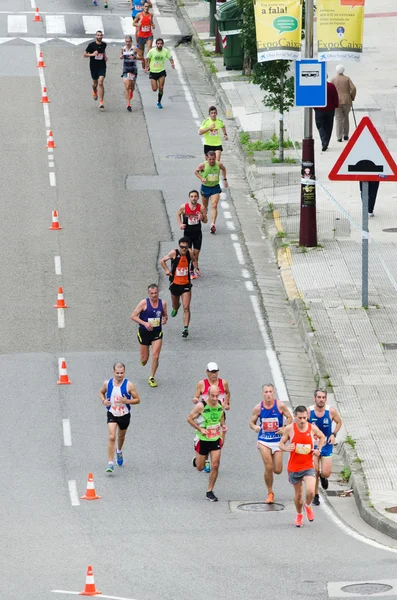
<point x="228" y="16"/>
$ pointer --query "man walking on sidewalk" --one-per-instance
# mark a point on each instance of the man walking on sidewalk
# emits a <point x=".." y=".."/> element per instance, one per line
<point x="346" y="93"/>
<point x="325" y="116"/>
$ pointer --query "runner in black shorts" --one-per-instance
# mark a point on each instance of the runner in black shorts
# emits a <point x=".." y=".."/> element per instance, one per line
<point x="179" y="276"/>
<point x="96" y="52"/>
<point x="189" y="217"/>
<point x="151" y="315"/>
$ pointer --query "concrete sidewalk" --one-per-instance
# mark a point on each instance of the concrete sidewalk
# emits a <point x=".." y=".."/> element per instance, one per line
<point x="352" y="350"/>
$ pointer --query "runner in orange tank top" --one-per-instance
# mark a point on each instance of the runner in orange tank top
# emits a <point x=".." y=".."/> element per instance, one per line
<point x="144" y="24"/>
<point x="300" y="465"/>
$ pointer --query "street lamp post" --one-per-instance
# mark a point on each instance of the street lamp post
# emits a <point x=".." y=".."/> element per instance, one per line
<point x="308" y="224"/>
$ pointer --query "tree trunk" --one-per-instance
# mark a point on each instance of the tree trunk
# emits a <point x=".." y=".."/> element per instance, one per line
<point x="247" y="65"/>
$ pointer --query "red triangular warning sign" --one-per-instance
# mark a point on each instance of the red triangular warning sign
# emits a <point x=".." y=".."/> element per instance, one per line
<point x="365" y="157"/>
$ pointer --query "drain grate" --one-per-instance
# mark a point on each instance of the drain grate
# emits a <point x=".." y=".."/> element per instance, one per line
<point x="367" y="589"/>
<point x="260" y="507"/>
<point x="391" y="346"/>
<point x="180" y="156"/>
<point x="390" y="230"/>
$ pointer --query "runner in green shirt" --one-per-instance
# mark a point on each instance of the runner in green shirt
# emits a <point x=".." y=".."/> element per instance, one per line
<point x="155" y="63"/>
<point x="210" y="130"/>
<point x="209" y="173"/>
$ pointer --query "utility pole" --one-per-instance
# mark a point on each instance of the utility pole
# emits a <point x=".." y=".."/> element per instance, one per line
<point x="308" y="219"/>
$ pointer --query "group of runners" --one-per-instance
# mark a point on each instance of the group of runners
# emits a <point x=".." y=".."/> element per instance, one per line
<point x="132" y="54"/>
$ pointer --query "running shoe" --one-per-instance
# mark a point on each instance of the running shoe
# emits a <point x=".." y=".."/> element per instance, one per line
<point x="174" y="312"/>
<point x="371" y="214"/>
<point x="95" y="96"/>
<point x="324" y="482"/>
<point x="120" y="459"/>
<point x="152" y="382"/>
<point x="105" y="5"/>
<point x="110" y="468"/>
<point x="298" y="521"/>
<point x="101" y="105"/>
<point x="194" y="462"/>
<point x="159" y="105"/>
<point x="211" y="497"/>
<point x="95" y="3"/>
<point x="129" y="108"/>
<point x="270" y="498"/>
<point x="316" y="500"/>
<point x="142" y="363"/>
<point x="309" y="512"/>
<point x="213" y="228"/>
<point x="207" y="467"/>
<point x="185" y="332"/>
<point x="193" y="275"/>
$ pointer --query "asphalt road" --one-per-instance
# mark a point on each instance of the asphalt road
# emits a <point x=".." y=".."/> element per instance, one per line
<point x="152" y="536"/>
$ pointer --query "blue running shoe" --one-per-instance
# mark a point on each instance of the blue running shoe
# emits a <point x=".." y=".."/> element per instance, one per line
<point x="120" y="458"/>
<point x="207" y="467"/>
<point x="159" y="105"/>
<point x="110" y="468"/>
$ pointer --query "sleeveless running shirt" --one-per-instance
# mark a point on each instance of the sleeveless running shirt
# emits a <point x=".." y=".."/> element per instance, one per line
<point x="211" y="174"/>
<point x="270" y="419"/>
<point x="221" y="387"/>
<point x="145" y="29"/>
<point x="212" y="416"/>
<point x="152" y="315"/>
<point x="181" y="276"/>
<point x="129" y="60"/>
<point x="113" y="393"/>
<point x="324" y="423"/>
<point x="301" y="458"/>
<point x="191" y="218"/>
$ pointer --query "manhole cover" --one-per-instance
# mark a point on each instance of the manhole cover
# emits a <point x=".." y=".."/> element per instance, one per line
<point x="180" y="156"/>
<point x="392" y="509"/>
<point x="391" y="346"/>
<point x="367" y="589"/>
<point x="390" y="230"/>
<point x="260" y="507"/>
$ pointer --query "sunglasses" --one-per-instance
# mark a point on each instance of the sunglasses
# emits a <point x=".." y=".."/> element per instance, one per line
<point x="183" y="247"/>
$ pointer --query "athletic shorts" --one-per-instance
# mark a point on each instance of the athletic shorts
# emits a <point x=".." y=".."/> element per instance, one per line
<point x="123" y="422"/>
<point x="157" y="76"/>
<point x="273" y="446"/>
<point x="195" y="240"/>
<point x="98" y="71"/>
<point x="204" y="447"/>
<point x="208" y="191"/>
<point x="145" y="337"/>
<point x="132" y="75"/>
<point x="141" y="41"/>
<point x="296" y="477"/>
<point x="178" y="290"/>
<point x="208" y="148"/>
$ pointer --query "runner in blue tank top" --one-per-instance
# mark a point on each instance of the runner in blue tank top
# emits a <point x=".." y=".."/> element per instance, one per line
<point x="117" y="394"/>
<point x="270" y="414"/>
<point x="151" y="314"/>
<point x="323" y="416"/>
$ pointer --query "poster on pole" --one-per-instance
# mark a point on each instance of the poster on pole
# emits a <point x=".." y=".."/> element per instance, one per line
<point x="340" y="28"/>
<point x="278" y="29"/>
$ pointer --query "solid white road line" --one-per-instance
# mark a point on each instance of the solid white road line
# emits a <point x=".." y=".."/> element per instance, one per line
<point x="93" y="24"/>
<point x="185" y="88"/>
<point x="17" y="24"/>
<point x="61" y="318"/>
<point x="74" y="496"/>
<point x="55" y="24"/>
<point x="46" y="113"/>
<point x="127" y="26"/>
<point x="60" y="361"/>
<point x="239" y="253"/>
<point x="53" y="180"/>
<point x="168" y="26"/>
<point x="33" y="4"/>
<point x="275" y="369"/>
<point x="67" y="434"/>
<point x="102" y="595"/>
<point x="58" y="268"/>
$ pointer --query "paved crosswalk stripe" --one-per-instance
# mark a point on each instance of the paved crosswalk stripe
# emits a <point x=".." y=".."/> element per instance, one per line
<point x="17" y="24"/>
<point x="55" y="24"/>
<point x="168" y="26"/>
<point x="93" y="24"/>
<point x="127" y="26"/>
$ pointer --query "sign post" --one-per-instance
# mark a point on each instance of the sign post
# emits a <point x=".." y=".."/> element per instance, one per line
<point x="365" y="158"/>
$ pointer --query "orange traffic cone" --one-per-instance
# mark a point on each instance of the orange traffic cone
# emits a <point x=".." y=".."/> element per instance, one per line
<point x="63" y="375"/>
<point x="40" y="64"/>
<point x="89" y="588"/>
<point x="50" y="141"/>
<point x="90" y="493"/>
<point x="60" y="300"/>
<point x="37" y="17"/>
<point x="55" y="221"/>
<point x="44" y="97"/>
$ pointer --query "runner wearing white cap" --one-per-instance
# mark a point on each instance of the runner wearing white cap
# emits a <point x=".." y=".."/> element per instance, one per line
<point x="202" y="392"/>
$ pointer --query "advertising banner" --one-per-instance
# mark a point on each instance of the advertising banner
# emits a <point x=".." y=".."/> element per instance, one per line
<point x="278" y="29"/>
<point x="340" y="27"/>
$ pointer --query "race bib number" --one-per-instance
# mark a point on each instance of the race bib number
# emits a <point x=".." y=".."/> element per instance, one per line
<point x="214" y="131"/>
<point x="118" y="410"/>
<point x="303" y="448"/>
<point x="154" y="322"/>
<point x="213" y="432"/>
<point x="193" y="220"/>
<point x="182" y="272"/>
<point x="146" y="28"/>
<point x="270" y="425"/>
<point x="213" y="177"/>
<point x="99" y="57"/>
<point x="131" y="76"/>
